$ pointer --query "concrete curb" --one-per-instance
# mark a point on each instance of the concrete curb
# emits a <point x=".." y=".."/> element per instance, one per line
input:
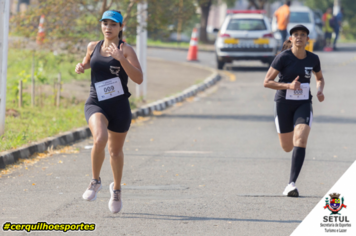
<point x="165" y="103"/>
<point x="12" y="156"/>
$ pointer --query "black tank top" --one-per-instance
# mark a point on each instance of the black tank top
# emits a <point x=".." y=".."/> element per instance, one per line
<point x="104" y="68"/>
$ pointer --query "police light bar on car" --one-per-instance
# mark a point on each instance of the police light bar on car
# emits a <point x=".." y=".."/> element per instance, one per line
<point x="246" y="12"/>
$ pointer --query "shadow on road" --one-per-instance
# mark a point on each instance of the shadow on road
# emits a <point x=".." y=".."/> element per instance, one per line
<point x="247" y="68"/>
<point x="334" y="119"/>
<point x="196" y="218"/>
<point x="260" y="118"/>
<point x="346" y="49"/>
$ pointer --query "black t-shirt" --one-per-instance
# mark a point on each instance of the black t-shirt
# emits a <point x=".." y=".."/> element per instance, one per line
<point x="290" y="67"/>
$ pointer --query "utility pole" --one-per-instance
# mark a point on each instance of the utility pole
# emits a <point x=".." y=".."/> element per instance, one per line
<point x="4" y="33"/>
<point x="141" y="47"/>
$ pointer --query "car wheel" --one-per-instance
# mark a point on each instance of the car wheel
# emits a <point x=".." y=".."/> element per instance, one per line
<point x="220" y="64"/>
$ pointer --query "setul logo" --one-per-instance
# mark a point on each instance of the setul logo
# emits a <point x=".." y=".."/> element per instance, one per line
<point x="335" y="205"/>
<point x="335" y="222"/>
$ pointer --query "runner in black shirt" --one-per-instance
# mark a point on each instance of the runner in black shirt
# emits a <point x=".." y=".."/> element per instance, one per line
<point x="293" y="100"/>
<point x="107" y="109"/>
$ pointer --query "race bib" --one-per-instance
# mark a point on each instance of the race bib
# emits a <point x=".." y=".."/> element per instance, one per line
<point x="109" y="88"/>
<point x="302" y="94"/>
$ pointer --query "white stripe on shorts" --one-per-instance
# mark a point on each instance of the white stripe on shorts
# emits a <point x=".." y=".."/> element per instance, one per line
<point x="277" y="124"/>
<point x="311" y="119"/>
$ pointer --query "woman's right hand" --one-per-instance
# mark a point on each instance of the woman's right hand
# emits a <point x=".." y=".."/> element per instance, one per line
<point x="295" y="85"/>
<point x="79" y="68"/>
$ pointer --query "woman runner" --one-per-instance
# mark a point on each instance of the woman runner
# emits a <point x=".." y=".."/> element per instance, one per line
<point x="107" y="109"/>
<point x="293" y="100"/>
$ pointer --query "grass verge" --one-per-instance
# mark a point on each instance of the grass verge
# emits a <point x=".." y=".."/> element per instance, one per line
<point x="27" y="125"/>
<point x="30" y="124"/>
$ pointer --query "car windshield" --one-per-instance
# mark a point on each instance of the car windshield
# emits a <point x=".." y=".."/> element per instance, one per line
<point x="300" y="17"/>
<point x="246" y="24"/>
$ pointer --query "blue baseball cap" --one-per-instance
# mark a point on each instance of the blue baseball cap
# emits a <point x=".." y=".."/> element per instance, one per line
<point x="112" y="15"/>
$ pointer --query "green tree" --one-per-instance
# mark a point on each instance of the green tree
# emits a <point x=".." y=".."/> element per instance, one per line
<point x="167" y="16"/>
<point x="68" y="23"/>
<point x="258" y="4"/>
<point x="319" y="4"/>
<point x="349" y="7"/>
<point x="205" y="6"/>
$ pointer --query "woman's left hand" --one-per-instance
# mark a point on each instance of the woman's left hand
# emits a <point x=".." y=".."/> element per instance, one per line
<point x="320" y="96"/>
<point x="116" y="53"/>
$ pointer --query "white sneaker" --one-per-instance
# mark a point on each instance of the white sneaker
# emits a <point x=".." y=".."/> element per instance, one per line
<point x="92" y="190"/>
<point x="115" y="203"/>
<point x="291" y="190"/>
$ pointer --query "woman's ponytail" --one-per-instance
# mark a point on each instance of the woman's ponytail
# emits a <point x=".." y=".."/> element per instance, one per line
<point x="286" y="45"/>
<point x="120" y="33"/>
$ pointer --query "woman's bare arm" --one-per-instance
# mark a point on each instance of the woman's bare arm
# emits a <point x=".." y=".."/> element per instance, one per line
<point x="90" y="49"/>
<point x="128" y="59"/>
<point x="320" y="83"/>
<point x="270" y="83"/>
<point x="80" y="67"/>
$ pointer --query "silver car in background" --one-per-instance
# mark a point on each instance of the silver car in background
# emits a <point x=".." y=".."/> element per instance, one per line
<point x="305" y="16"/>
<point x="245" y="35"/>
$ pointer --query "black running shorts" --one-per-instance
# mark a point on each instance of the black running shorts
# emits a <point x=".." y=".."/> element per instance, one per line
<point x="117" y="112"/>
<point x="288" y="115"/>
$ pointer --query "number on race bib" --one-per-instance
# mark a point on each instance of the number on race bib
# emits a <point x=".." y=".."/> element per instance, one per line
<point x="299" y="94"/>
<point x="109" y="88"/>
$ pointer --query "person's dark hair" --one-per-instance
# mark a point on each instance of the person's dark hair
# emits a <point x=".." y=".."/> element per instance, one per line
<point x="288" y="3"/>
<point x="120" y="33"/>
<point x="286" y="45"/>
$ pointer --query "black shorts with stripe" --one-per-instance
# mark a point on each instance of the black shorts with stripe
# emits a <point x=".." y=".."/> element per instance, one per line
<point x="116" y="110"/>
<point x="288" y="115"/>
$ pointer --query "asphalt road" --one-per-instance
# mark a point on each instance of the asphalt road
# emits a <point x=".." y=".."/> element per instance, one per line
<point x="212" y="166"/>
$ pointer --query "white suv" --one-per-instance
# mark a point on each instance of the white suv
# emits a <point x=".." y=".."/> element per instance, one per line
<point x="245" y="35"/>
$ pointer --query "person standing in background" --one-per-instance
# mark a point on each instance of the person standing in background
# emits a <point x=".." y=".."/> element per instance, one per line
<point x="328" y="30"/>
<point x="338" y="25"/>
<point x="282" y="14"/>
